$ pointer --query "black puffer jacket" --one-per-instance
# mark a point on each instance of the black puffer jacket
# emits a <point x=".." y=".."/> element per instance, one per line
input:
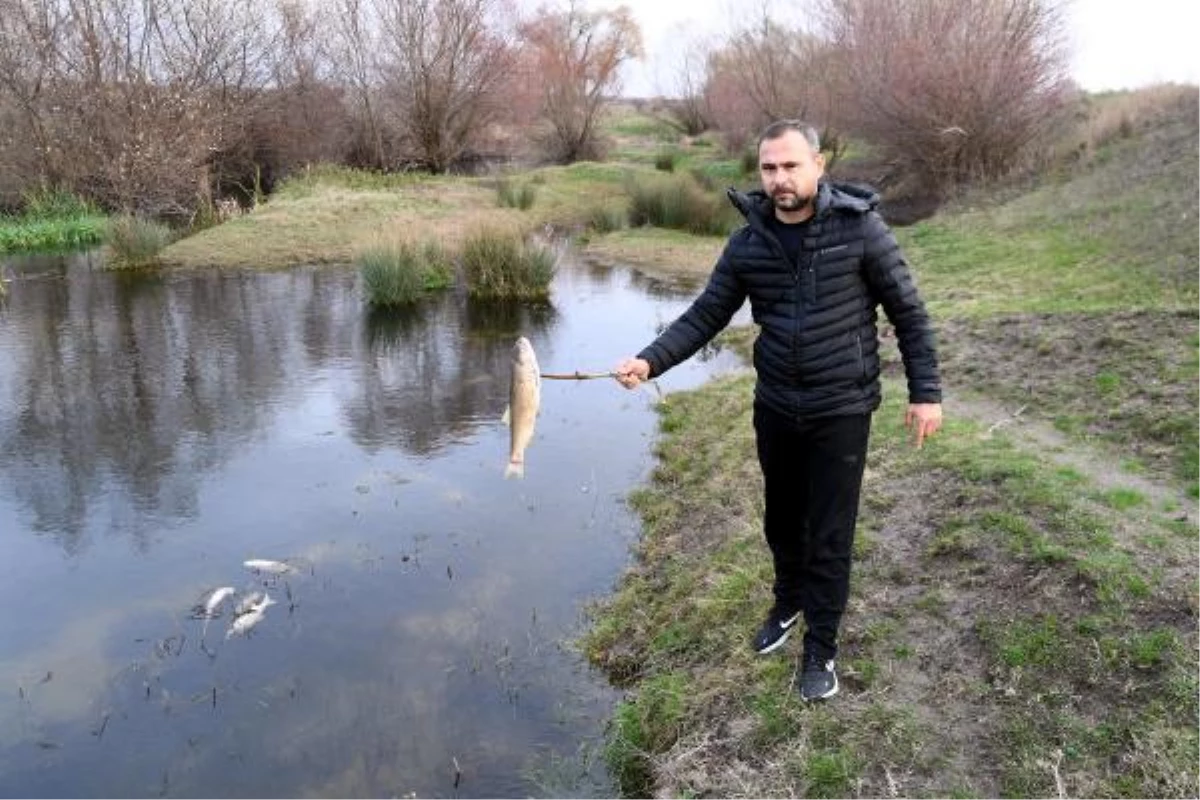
<point x="817" y="352"/>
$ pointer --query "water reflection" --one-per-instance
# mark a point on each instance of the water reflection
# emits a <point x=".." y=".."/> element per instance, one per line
<point x="434" y="370"/>
<point x="161" y="429"/>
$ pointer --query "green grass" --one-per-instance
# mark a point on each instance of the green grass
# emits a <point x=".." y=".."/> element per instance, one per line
<point x="52" y="220"/>
<point x="679" y="202"/>
<point x="136" y="242"/>
<point x="511" y="195"/>
<point x="499" y="264"/>
<point x="1000" y="515"/>
<point x="399" y="273"/>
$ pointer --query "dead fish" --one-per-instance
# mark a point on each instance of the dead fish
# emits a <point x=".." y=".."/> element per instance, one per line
<point x="242" y="625"/>
<point x="210" y="602"/>
<point x="269" y="567"/>
<point x="524" y="399"/>
<point x="248" y="603"/>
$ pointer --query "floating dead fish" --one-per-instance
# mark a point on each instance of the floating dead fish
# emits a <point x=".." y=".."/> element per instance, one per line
<point x="268" y="567"/>
<point x="210" y="602"/>
<point x="248" y="603"/>
<point x="245" y="622"/>
<point x="524" y="399"/>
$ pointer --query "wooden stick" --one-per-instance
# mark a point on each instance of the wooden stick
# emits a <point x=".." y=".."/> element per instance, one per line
<point x="577" y="376"/>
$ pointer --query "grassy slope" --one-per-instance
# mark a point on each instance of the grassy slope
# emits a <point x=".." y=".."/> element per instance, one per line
<point x="1015" y="629"/>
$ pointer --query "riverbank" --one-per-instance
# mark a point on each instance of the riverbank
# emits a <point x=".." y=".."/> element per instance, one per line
<point x="1023" y="609"/>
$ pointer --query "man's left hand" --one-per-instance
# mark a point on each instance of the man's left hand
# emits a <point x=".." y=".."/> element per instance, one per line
<point x="924" y="419"/>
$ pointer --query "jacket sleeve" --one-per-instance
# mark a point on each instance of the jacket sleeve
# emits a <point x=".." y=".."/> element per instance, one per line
<point x="892" y="282"/>
<point x="704" y="319"/>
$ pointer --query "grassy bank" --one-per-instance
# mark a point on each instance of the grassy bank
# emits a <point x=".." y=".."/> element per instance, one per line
<point x="1011" y="626"/>
<point x="330" y="214"/>
<point x="1017" y="626"/>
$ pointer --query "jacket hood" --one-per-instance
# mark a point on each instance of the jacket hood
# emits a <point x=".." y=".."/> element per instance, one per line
<point x="852" y="197"/>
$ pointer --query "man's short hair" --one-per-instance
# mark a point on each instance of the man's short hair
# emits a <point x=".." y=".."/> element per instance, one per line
<point x="782" y="126"/>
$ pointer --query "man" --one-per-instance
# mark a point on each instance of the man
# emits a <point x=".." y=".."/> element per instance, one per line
<point x="815" y="260"/>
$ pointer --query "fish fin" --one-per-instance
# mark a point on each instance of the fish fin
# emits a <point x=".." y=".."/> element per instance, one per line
<point x="507" y="418"/>
<point x="515" y="469"/>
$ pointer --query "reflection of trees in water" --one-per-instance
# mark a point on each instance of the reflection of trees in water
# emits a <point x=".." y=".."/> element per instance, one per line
<point x="117" y="393"/>
<point x="132" y="382"/>
<point x="434" y="370"/>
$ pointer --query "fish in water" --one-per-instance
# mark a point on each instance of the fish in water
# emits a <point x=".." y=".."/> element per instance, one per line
<point x="248" y="603"/>
<point x="524" y="398"/>
<point x="210" y="602"/>
<point x="244" y="622"/>
<point x="269" y="567"/>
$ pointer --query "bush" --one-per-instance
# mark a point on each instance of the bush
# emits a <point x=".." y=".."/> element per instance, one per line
<point x="398" y="273"/>
<point x="605" y="219"/>
<point x="680" y="203"/>
<point x="136" y="241"/>
<point x="665" y="162"/>
<point x="499" y="264"/>
<point x="509" y="195"/>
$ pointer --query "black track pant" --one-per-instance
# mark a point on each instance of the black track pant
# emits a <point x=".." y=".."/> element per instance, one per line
<point x="813" y="470"/>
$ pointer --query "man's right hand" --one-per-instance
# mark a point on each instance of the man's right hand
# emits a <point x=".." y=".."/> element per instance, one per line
<point x="632" y="371"/>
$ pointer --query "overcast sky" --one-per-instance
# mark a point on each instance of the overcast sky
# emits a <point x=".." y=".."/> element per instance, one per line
<point x="1115" y="44"/>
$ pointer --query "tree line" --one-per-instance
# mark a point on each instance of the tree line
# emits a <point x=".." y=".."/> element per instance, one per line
<point x="161" y="107"/>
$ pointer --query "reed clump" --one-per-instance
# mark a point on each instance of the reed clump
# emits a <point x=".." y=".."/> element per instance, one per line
<point x="502" y="264"/>
<point x="397" y="273"/>
<point x="511" y="195"/>
<point x="679" y="202"/>
<point x="136" y="241"/>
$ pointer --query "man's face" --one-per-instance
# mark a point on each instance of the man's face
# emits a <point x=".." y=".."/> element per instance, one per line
<point x="789" y="170"/>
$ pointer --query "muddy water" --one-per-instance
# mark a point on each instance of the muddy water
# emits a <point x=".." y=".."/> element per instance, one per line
<point x="157" y="431"/>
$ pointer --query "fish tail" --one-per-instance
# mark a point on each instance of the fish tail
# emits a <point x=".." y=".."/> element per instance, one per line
<point x="515" y="469"/>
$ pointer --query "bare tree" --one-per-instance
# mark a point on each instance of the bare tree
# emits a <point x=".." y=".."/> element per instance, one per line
<point x="768" y="72"/>
<point x="687" y="107"/>
<point x="579" y="55"/>
<point x="355" y="44"/>
<point x="444" y="61"/>
<point x="956" y="89"/>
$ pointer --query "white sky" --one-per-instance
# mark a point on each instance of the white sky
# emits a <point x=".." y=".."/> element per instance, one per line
<point x="1115" y="44"/>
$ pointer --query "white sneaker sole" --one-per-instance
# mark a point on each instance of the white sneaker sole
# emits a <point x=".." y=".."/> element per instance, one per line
<point x="787" y="631"/>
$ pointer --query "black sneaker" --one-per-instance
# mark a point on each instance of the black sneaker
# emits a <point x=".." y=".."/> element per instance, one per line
<point x="775" y="631"/>
<point x="817" y="679"/>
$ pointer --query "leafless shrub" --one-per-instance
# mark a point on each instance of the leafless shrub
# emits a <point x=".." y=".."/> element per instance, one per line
<point x="443" y="63"/>
<point x="954" y="89"/>
<point x="768" y="72"/>
<point x="577" y="56"/>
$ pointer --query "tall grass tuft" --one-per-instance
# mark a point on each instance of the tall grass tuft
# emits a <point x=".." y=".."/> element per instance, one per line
<point x="500" y="264"/>
<point x="136" y="241"/>
<point x="397" y="273"/>
<point x="606" y="218"/>
<point x="509" y="195"/>
<point x="680" y="203"/>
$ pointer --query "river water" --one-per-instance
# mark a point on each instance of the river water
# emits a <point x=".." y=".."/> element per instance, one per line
<point x="158" y="430"/>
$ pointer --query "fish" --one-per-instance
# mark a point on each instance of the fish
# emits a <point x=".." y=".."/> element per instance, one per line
<point x="524" y="400"/>
<point x="210" y="602"/>
<point x="243" y="623"/>
<point x="248" y="603"/>
<point x="269" y="567"/>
